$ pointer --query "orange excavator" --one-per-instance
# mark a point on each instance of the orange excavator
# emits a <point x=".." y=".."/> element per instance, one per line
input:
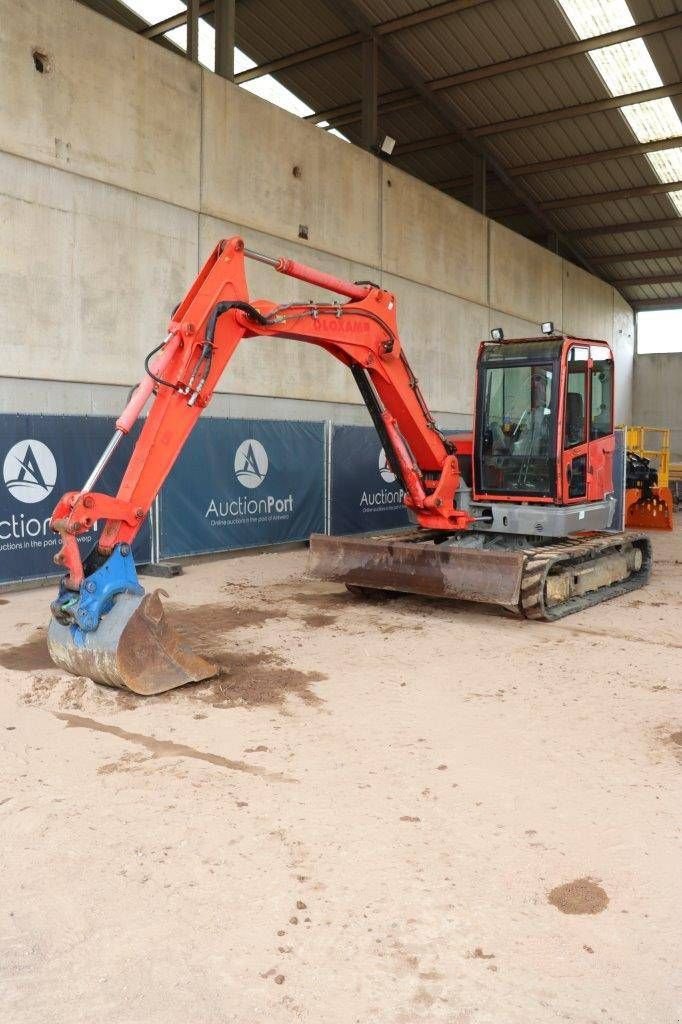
<point x="515" y="513"/>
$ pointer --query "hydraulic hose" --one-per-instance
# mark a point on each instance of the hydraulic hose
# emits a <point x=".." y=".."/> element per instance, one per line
<point x="225" y="307"/>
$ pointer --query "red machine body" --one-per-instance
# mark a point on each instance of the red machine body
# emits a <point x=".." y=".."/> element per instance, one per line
<point x="491" y="508"/>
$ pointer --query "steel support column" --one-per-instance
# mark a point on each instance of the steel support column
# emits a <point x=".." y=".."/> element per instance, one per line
<point x="370" y="93"/>
<point x="478" y="190"/>
<point x="193" y="30"/>
<point x="552" y="242"/>
<point x="224" y="21"/>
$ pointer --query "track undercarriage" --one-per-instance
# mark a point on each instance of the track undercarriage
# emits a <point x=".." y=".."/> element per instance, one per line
<point x="538" y="579"/>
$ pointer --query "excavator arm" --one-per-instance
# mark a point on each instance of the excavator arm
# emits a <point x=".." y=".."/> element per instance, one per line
<point x="204" y="332"/>
<point x="181" y="377"/>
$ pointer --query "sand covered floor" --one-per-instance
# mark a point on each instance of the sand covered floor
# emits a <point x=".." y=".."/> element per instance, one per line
<point x="397" y="812"/>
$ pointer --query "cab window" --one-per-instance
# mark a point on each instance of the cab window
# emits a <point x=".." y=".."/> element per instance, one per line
<point x="601" y="412"/>
<point x="516" y="430"/>
<point x="576" y="398"/>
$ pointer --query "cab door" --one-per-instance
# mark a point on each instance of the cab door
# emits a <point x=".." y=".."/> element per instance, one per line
<point x="601" y="441"/>
<point x="574" y="465"/>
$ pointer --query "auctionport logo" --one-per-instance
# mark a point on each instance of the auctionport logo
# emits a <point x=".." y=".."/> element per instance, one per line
<point x="384" y="500"/>
<point x="251" y="466"/>
<point x="30" y="471"/>
<point x="385" y="470"/>
<point x="251" y="463"/>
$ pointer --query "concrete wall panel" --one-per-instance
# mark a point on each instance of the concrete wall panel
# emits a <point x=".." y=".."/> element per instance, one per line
<point x="588" y="304"/>
<point x="525" y="279"/>
<point x="89" y="274"/>
<point x="441" y="333"/>
<point x="431" y="238"/>
<point x="658" y="384"/>
<point x="250" y="150"/>
<point x="275" y="367"/>
<point x="513" y="326"/>
<point x="29" y="395"/>
<point x="111" y="106"/>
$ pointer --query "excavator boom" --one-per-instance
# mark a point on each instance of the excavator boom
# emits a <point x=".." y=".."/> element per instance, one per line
<point x="102" y="625"/>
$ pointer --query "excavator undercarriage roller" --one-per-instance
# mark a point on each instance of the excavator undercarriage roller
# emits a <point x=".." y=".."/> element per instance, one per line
<point x="539" y="582"/>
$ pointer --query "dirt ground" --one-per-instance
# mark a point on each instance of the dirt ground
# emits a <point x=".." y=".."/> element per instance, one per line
<point x="393" y="812"/>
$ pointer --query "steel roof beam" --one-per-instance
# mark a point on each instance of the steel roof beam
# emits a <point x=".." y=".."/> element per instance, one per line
<point x="554" y="53"/>
<point x="637" y="282"/>
<point x="572" y="49"/>
<point x="579" y="160"/>
<point x="302" y="57"/>
<point x="567" y="202"/>
<point x="599" y="156"/>
<point x="633" y="257"/>
<point x="625" y="228"/>
<point x="580" y="110"/>
<point x="354" y="38"/>
<point x="642" y="305"/>
<point x="161" y="27"/>
<point x="514" y="123"/>
<point x="332" y="46"/>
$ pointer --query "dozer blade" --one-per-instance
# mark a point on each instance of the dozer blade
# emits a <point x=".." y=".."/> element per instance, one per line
<point x="133" y="648"/>
<point x="410" y="562"/>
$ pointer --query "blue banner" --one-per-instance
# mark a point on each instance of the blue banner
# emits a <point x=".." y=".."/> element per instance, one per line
<point x="41" y="457"/>
<point x="244" y="483"/>
<point x="365" y="495"/>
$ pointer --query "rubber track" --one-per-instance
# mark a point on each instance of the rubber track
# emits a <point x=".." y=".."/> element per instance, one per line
<point x="539" y="562"/>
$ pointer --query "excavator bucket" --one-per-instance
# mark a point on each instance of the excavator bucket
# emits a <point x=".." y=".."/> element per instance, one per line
<point x="133" y="648"/>
<point x="654" y="512"/>
<point x="410" y="561"/>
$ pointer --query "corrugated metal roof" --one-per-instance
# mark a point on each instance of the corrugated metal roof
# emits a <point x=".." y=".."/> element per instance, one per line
<point x="463" y="40"/>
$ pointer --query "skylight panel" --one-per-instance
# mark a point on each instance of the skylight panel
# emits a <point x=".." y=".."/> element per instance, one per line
<point x="625" y="68"/>
<point x="268" y="88"/>
<point x="668" y="167"/>
<point x="155" y="11"/>
<point x="594" y="17"/>
<point x="206" y="42"/>
<point x="668" y="164"/>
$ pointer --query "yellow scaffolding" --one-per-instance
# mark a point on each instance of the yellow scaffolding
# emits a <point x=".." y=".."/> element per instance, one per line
<point x="638" y="440"/>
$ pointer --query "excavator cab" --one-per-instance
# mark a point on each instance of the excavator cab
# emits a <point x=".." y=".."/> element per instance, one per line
<point x="517" y="405"/>
<point x="544" y="428"/>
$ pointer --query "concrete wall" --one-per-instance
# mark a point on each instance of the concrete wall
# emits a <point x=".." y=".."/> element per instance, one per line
<point x="658" y="396"/>
<point x="123" y="164"/>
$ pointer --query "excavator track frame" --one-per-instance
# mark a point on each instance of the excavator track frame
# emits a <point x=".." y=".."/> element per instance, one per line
<point x="576" y="553"/>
